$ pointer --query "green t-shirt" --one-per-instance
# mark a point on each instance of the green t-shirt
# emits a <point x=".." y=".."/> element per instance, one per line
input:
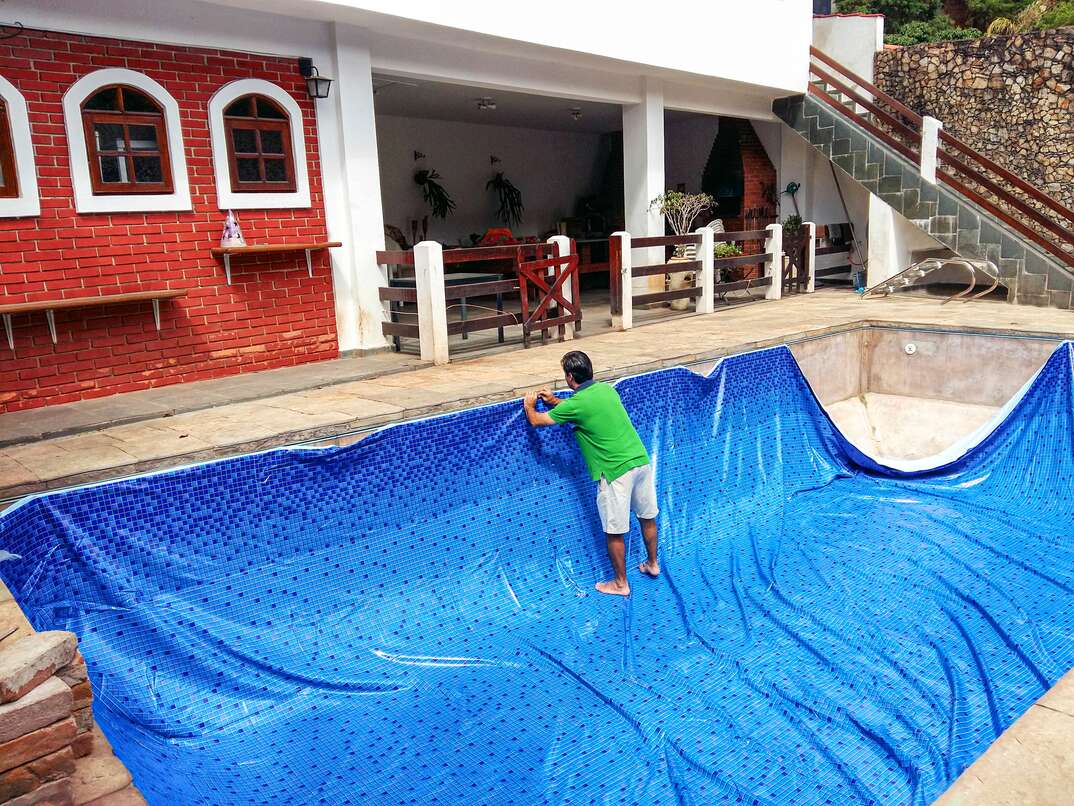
<point x="605" y="435"/>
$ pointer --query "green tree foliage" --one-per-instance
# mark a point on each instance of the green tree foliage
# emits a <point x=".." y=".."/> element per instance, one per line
<point x="938" y="29"/>
<point x="983" y="12"/>
<point x="1062" y="14"/>
<point x="896" y="12"/>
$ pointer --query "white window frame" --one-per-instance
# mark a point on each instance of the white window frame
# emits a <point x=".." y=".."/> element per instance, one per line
<point x="226" y="198"/>
<point x="27" y="203"/>
<point x="85" y="200"/>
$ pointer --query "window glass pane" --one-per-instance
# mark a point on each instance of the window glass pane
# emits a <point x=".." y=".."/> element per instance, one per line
<point x="247" y="170"/>
<point x="3" y="179"/>
<point x="143" y="138"/>
<point x="109" y="137"/>
<point x="275" y="171"/>
<point x="107" y="100"/>
<point x="267" y="109"/>
<point x="113" y="169"/>
<point x="240" y="108"/>
<point x="148" y="170"/>
<point x="135" y="101"/>
<point x="244" y="141"/>
<point x="271" y="142"/>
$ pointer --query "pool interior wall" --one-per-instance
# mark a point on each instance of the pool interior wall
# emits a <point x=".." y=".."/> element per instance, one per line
<point x="412" y="618"/>
<point x="909" y="393"/>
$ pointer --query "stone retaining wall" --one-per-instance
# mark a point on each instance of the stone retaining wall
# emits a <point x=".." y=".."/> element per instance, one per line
<point x="1008" y="97"/>
<point x="50" y="750"/>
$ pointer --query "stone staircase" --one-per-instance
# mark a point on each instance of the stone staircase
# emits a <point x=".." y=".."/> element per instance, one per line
<point x="1030" y="277"/>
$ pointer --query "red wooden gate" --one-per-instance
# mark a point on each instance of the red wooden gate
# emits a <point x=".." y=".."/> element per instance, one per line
<point x="547" y="281"/>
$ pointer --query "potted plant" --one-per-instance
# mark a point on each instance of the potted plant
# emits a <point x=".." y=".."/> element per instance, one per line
<point x="435" y="194"/>
<point x="723" y="249"/>
<point x="510" y="198"/>
<point x="679" y="210"/>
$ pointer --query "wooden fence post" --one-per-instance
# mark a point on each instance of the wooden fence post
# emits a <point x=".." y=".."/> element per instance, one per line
<point x="774" y="262"/>
<point x="432" y="307"/>
<point x="620" y="249"/>
<point x="561" y="246"/>
<point x="705" y="253"/>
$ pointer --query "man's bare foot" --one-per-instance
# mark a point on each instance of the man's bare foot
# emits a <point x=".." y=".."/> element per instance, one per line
<point x="652" y="569"/>
<point x="614" y="588"/>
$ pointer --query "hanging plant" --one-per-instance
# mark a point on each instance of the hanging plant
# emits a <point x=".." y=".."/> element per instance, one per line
<point x="435" y="195"/>
<point x="510" y="197"/>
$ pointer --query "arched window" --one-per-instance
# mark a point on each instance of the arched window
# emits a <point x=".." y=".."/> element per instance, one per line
<point x="260" y="156"/>
<point x="126" y="142"/>
<point x="18" y="174"/>
<point x="9" y="177"/>
<point x="259" y="147"/>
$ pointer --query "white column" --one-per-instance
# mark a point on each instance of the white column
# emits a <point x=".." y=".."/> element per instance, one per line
<point x="562" y="246"/>
<point x="432" y="307"/>
<point x="350" y="175"/>
<point x="811" y="256"/>
<point x="643" y="174"/>
<point x="707" y="275"/>
<point x="626" y="296"/>
<point x="930" y="141"/>
<point x="774" y="262"/>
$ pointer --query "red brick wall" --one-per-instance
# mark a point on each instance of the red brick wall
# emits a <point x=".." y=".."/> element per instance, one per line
<point x="759" y="184"/>
<point x="273" y="315"/>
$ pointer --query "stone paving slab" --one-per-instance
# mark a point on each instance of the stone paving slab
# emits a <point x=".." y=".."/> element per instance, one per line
<point x="54" y="421"/>
<point x="288" y="416"/>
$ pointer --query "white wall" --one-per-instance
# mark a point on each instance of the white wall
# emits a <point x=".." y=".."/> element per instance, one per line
<point x="763" y="42"/>
<point x="892" y="242"/>
<point x="852" y="41"/>
<point x="551" y="168"/>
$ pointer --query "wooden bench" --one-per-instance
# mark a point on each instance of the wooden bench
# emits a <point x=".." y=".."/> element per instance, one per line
<point x="272" y="249"/>
<point x="50" y="306"/>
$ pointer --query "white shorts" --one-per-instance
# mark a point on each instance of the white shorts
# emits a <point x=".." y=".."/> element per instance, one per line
<point x="634" y="491"/>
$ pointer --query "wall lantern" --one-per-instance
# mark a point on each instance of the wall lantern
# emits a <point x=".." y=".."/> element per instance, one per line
<point x="317" y="85"/>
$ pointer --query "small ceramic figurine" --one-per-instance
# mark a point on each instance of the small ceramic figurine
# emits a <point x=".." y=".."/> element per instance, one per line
<point x="232" y="235"/>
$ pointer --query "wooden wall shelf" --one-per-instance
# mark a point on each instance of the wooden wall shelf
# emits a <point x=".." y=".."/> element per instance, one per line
<point x="272" y="249"/>
<point x="50" y="306"/>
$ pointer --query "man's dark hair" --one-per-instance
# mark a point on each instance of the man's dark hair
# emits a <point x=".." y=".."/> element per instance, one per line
<point x="578" y="365"/>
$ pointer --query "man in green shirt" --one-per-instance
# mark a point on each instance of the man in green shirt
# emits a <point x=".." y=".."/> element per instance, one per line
<point x="616" y="458"/>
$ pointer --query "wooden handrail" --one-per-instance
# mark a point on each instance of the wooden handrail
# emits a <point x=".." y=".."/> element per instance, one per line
<point x="1000" y="195"/>
<point x="1014" y="223"/>
<point x="862" y="101"/>
<point x="876" y="131"/>
<point x="1008" y="198"/>
<point x="1006" y="175"/>
<point x="898" y="106"/>
<point x="664" y="240"/>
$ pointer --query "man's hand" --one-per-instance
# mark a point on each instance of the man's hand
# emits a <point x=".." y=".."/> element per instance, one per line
<point x="536" y="418"/>
<point x="548" y="398"/>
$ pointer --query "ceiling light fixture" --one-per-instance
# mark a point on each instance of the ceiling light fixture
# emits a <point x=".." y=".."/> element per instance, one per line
<point x="575" y="112"/>
<point x="485" y="104"/>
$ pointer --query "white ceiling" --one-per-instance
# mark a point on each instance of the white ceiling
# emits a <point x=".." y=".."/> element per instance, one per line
<point x="417" y="98"/>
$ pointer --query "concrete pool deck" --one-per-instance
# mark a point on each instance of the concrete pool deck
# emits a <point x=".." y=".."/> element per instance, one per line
<point x="330" y="411"/>
<point x="1031" y="763"/>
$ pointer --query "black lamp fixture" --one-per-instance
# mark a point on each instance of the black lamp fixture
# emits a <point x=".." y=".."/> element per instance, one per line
<point x="317" y="85"/>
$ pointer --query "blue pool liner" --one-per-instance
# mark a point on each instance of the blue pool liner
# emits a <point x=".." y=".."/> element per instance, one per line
<point x="412" y="619"/>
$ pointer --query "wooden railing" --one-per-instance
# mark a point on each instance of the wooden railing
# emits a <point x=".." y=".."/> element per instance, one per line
<point x="465" y="274"/>
<point x="617" y="275"/>
<point x="1039" y="218"/>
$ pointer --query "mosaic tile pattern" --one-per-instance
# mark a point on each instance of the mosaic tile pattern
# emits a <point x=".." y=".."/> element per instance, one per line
<point x="411" y="619"/>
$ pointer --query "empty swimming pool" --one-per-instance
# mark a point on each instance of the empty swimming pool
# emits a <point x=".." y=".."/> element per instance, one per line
<point x="411" y="619"/>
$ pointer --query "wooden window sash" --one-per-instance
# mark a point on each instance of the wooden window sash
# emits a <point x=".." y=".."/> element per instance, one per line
<point x="10" y="190"/>
<point x="126" y="120"/>
<point x="257" y="126"/>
